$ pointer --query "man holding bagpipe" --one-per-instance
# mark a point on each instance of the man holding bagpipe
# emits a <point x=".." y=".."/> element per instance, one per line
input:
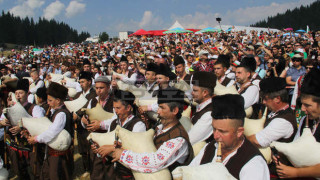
<point x="18" y="148"/>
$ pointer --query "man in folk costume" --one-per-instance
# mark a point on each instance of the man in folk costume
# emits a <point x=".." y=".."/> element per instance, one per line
<point x="171" y="139"/>
<point x="242" y="159"/>
<point x="58" y="164"/>
<point x="252" y="64"/>
<point x="123" y="104"/>
<point x="85" y="80"/>
<point x="220" y="68"/>
<point x="164" y="76"/>
<point x="35" y="85"/>
<point x="203" y="88"/>
<point x="151" y="75"/>
<point x="130" y="76"/>
<point x="246" y="89"/>
<point x="19" y="162"/>
<point x="42" y="98"/>
<point x="310" y="99"/>
<point x="105" y="99"/>
<point x="281" y="124"/>
<point x="179" y="64"/>
<point x="86" y="66"/>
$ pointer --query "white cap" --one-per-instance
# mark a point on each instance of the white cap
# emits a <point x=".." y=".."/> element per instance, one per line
<point x="119" y="55"/>
<point x="150" y="57"/>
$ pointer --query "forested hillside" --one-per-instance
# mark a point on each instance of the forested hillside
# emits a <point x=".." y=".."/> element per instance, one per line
<point x="297" y="18"/>
<point x="25" y="31"/>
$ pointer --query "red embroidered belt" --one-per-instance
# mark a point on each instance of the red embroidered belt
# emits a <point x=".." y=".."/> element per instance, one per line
<point x="53" y="152"/>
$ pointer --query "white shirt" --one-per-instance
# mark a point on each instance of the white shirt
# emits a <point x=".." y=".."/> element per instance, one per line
<point x="201" y="130"/>
<point x="75" y="85"/>
<point x="37" y="86"/>
<point x="278" y="128"/>
<point x="251" y="96"/>
<point x="256" y="168"/>
<point x="169" y="152"/>
<point x="54" y="129"/>
<point x="130" y="80"/>
<point x="138" y="127"/>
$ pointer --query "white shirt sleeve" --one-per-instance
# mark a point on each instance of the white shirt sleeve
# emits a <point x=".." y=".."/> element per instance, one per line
<point x="75" y="85"/>
<point x="169" y="152"/>
<point x="38" y="112"/>
<point x="294" y="96"/>
<point x="251" y="96"/>
<point x="39" y="85"/>
<point x="130" y="80"/>
<point x="197" y="160"/>
<point x="139" y="127"/>
<point x="255" y="169"/>
<point x="105" y="124"/>
<point x="278" y="128"/>
<point x="54" y="129"/>
<point x="31" y="98"/>
<point x="230" y="83"/>
<point x="202" y="129"/>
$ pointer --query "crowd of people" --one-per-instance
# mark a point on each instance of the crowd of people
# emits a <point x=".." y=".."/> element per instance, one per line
<point x="268" y="70"/>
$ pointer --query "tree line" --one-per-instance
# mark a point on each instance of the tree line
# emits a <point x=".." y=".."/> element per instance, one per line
<point x="25" y="31"/>
<point x="297" y="18"/>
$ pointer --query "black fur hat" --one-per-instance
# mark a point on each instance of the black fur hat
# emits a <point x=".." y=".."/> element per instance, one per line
<point x="204" y="79"/>
<point x="57" y="91"/>
<point x="311" y="83"/>
<point x="229" y="106"/>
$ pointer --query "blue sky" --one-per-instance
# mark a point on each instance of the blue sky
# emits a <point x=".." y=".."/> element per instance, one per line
<point x="113" y="16"/>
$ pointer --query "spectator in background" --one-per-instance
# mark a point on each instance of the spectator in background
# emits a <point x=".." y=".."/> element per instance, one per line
<point x="261" y="72"/>
<point x="294" y="73"/>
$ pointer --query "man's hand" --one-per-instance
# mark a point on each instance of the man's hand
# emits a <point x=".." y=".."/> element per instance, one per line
<point x="286" y="171"/>
<point x="32" y="140"/>
<point x="117" y="154"/>
<point x="94" y="125"/>
<point x="15" y="130"/>
<point x="84" y="120"/>
<point x="143" y="109"/>
<point x="75" y="116"/>
<point x="63" y="81"/>
<point x="4" y="122"/>
<point x="105" y="150"/>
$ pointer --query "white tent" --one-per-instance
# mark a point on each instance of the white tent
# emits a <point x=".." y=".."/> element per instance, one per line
<point x="176" y="25"/>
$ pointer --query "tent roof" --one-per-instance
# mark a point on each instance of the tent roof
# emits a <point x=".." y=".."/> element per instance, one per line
<point x="176" y="25"/>
<point x="157" y="32"/>
<point x="141" y="32"/>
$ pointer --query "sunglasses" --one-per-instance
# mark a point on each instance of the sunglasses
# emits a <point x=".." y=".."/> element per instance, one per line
<point x="296" y="60"/>
<point x="309" y="67"/>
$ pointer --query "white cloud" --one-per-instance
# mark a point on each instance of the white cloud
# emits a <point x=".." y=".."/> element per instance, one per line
<point x="75" y="8"/>
<point x="26" y="8"/>
<point x="241" y="16"/>
<point x="53" y="10"/>
<point x="146" y="19"/>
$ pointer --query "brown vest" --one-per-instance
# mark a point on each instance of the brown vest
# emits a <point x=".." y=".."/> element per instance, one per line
<point x="29" y="108"/>
<point x="244" y="154"/>
<point x="226" y="81"/>
<point x="121" y="172"/>
<point x="107" y="107"/>
<point x="289" y="116"/>
<point x="176" y="131"/>
<point x="130" y="74"/>
<point x="91" y="95"/>
<point x="68" y="126"/>
<point x="199" y="114"/>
